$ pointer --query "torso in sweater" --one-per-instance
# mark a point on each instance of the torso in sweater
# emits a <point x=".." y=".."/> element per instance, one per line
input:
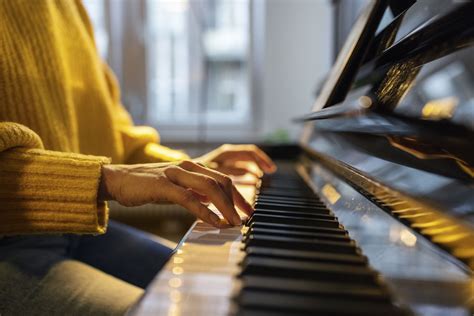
<point x="52" y="80"/>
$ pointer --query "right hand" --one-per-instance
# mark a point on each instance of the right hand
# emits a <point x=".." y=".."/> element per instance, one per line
<point x="186" y="183"/>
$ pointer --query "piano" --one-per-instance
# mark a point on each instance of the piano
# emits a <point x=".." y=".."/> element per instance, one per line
<point x="372" y="213"/>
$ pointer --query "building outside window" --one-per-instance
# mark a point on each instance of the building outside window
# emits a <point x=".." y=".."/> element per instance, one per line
<point x="197" y="72"/>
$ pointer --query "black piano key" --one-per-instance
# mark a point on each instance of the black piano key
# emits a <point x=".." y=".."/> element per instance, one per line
<point x="314" y="288"/>
<point x="304" y="270"/>
<point x="309" y="196"/>
<point x="259" y="303"/>
<point x="286" y="200"/>
<point x="290" y="220"/>
<point x="295" y="214"/>
<point x="302" y="255"/>
<point x="285" y="186"/>
<point x="268" y="241"/>
<point x="286" y="193"/>
<point x="254" y="231"/>
<point x="308" y="200"/>
<point x="282" y="176"/>
<point x="287" y="205"/>
<point x="254" y="238"/>
<point x="256" y="312"/>
<point x="298" y="228"/>
<point x="290" y="207"/>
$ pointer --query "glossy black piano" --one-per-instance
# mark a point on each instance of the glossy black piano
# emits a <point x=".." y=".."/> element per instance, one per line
<point x="373" y="212"/>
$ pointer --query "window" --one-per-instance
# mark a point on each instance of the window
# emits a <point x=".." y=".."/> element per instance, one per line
<point x="96" y="11"/>
<point x="197" y="61"/>
<point x="196" y="73"/>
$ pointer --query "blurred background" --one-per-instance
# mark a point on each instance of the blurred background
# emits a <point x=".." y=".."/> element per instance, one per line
<point x="213" y="71"/>
<point x="206" y="72"/>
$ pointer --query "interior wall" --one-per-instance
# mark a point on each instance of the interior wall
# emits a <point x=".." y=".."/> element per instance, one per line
<point x="297" y="56"/>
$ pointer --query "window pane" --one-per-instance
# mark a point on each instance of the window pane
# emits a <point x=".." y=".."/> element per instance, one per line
<point x="96" y="11"/>
<point x="197" y="61"/>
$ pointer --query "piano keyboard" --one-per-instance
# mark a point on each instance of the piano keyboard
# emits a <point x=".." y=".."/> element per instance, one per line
<point x="300" y="260"/>
<point x="292" y="257"/>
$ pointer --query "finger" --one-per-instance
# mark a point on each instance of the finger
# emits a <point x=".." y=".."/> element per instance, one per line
<point x="242" y="203"/>
<point x="186" y="199"/>
<point x="202" y="198"/>
<point x="268" y="161"/>
<point x="237" y="171"/>
<point x="254" y="170"/>
<point x="224" y="181"/>
<point x="233" y="171"/>
<point x="247" y="155"/>
<point x="208" y="186"/>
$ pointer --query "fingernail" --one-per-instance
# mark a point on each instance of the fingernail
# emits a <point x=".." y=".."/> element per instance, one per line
<point x="250" y="207"/>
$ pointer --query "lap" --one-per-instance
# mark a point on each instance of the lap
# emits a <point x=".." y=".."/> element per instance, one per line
<point x="124" y="252"/>
<point x="77" y="275"/>
<point x="68" y="287"/>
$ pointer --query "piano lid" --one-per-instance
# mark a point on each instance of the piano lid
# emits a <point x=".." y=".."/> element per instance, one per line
<point x="407" y="122"/>
<point x="349" y="59"/>
<point x="413" y="92"/>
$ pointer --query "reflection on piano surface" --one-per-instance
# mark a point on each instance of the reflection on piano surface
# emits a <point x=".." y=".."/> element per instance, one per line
<point x="373" y="213"/>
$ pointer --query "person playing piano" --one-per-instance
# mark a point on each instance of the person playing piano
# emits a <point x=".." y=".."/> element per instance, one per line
<point x="66" y="147"/>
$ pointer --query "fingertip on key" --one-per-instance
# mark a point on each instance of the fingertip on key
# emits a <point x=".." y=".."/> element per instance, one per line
<point x="215" y="219"/>
<point x="224" y="224"/>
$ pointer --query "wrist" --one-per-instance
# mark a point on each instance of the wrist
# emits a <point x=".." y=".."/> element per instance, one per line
<point x="104" y="191"/>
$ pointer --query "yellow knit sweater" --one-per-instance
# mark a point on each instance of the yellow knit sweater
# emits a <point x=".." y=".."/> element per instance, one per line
<point x="60" y="117"/>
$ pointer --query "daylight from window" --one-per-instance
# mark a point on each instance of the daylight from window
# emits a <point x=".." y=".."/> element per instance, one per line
<point x="197" y="58"/>
<point x="197" y="54"/>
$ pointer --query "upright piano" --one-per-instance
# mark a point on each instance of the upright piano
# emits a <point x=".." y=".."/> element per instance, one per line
<point x="373" y="212"/>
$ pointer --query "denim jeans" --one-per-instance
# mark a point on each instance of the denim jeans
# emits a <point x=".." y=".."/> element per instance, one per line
<point x="77" y="274"/>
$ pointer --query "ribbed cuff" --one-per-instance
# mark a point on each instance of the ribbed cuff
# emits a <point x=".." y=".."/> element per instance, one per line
<point x="50" y="192"/>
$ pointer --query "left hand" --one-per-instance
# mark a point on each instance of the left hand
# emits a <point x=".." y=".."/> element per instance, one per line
<point x="235" y="159"/>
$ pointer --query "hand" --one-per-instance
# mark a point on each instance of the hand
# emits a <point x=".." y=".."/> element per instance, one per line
<point x="186" y="183"/>
<point x="235" y="159"/>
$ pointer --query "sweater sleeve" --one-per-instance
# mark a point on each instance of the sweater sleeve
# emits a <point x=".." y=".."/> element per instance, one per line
<point x="45" y="191"/>
<point x="141" y="143"/>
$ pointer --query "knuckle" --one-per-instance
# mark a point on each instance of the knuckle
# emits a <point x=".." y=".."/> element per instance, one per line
<point x="211" y="183"/>
<point x="186" y="164"/>
<point x="168" y="172"/>
<point x="227" y="181"/>
<point x="171" y="170"/>
<point x="161" y="180"/>
<point x="187" y="197"/>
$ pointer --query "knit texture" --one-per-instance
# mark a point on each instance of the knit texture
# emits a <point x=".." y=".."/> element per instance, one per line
<point x="47" y="191"/>
<point x="60" y="116"/>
